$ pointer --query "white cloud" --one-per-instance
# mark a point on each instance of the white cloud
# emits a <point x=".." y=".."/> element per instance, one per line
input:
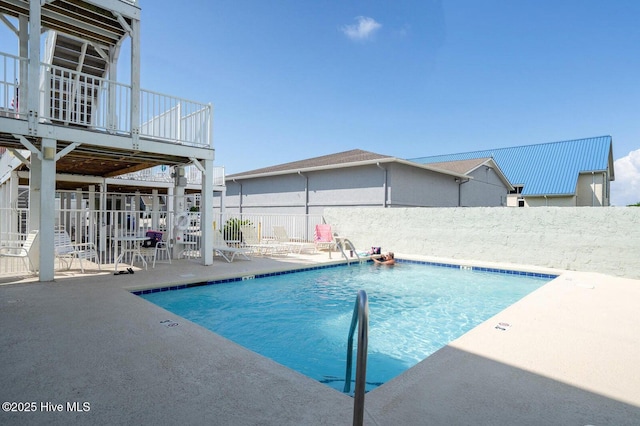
<point x="625" y="189"/>
<point x="363" y="29"/>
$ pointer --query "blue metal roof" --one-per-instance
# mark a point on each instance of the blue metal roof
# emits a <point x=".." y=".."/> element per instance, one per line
<point x="544" y="169"/>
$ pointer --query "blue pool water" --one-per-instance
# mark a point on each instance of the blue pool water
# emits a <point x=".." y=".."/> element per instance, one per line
<point x="302" y="319"/>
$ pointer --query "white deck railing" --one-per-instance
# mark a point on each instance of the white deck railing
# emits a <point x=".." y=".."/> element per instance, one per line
<point x="173" y="119"/>
<point x="156" y="174"/>
<point x="9" y="83"/>
<point x="72" y="98"/>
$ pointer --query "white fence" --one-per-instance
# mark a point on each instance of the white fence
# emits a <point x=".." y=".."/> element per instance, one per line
<point x="102" y="227"/>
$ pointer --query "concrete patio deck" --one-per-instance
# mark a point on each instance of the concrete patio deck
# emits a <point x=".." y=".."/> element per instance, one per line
<point x="570" y="356"/>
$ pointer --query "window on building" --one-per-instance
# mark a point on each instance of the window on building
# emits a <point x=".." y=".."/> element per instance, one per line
<point x="516" y="190"/>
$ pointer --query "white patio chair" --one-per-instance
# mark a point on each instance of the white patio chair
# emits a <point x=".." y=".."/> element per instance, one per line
<point x="280" y="233"/>
<point x="252" y="242"/>
<point x="221" y="248"/>
<point x="22" y="252"/>
<point x="66" y="251"/>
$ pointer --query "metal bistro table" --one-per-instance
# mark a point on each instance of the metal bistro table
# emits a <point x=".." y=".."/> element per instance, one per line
<point x="130" y="244"/>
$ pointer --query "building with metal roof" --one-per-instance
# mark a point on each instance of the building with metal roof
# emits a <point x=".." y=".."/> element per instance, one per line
<point x="567" y="173"/>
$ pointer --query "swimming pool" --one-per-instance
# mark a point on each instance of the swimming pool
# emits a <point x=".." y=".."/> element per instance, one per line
<point x="302" y="319"/>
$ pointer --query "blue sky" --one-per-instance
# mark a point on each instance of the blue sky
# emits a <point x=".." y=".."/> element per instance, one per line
<point x="291" y="79"/>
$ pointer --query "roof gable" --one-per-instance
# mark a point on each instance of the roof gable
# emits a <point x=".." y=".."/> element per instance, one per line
<point x="466" y="167"/>
<point x="544" y="169"/>
<point x="461" y="166"/>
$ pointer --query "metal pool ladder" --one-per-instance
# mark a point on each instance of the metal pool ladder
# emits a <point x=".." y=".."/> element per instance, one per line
<point x="342" y="243"/>
<point x="360" y="315"/>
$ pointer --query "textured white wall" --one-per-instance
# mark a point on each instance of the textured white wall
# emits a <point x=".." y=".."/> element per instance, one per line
<point x="605" y="240"/>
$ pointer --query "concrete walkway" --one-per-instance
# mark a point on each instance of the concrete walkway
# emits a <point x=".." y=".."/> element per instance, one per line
<point x="569" y="355"/>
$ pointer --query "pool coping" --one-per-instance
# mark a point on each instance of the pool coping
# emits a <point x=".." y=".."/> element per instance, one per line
<point x="527" y="272"/>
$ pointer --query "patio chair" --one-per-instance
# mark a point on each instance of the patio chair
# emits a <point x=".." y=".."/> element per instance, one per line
<point x="66" y="251"/>
<point x="323" y="238"/>
<point x="22" y="252"/>
<point x="157" y="245"/>
<point x="221" y="248"/>
<point x="280" y="233"/>
<point x="253" y="243"/>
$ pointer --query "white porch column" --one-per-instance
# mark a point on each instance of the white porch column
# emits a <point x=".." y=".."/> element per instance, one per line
<point x="91" y="207"/>
<point x="155" y="209"/>
<point x="24" y="66"/>
<point x="102" y="217"/>
<point x="169" y="214"/>
<point x="135" y="82"/>
<point x="113" y="77"/>
<point x="35" y="181"/>
<point x="81" y="226"/>
<point x="5" y="216"/>
<point x="223" y="196"/>
<point x="179" y="206"/>
<point x="136" y="213"/>
<point x="206" y="214"/>
<point x="8" y="219"/>
<point x="67" y="222"/>
<point x="47" y="209"/>
<point x="33" y="96"/>
<point x="12" y="196"/>
<point x="122" y="212"/>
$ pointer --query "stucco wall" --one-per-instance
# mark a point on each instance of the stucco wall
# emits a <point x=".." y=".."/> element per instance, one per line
<point x="605" y="240"/>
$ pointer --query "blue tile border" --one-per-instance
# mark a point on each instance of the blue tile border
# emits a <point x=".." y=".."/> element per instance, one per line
<point x="231" y="280"/>
<point x="311" y="268"/>
<point x="481" y="269"/>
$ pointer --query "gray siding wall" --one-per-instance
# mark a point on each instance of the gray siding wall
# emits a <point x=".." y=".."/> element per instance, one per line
<point x="362" y="186"/>
<point x="274" y="194"/>
<point x="353" y="186"/>
<point x="414" y="187"/>
<point x="486" y="189"/>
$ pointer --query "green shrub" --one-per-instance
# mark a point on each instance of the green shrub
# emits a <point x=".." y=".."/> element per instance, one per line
<point x="231" y="231"/>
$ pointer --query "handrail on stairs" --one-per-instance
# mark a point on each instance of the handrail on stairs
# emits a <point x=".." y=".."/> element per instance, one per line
<point x="361" y="316"/>
<point x="342" y="242"/>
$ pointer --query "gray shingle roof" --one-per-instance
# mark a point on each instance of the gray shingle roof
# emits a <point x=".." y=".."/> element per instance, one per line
<point x="352" y="156"/>
<point x="460" y="166"/>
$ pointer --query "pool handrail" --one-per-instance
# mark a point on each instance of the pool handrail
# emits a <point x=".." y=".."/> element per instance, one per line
<point x="341" y="243"/>
<point x="361" y="316"/>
